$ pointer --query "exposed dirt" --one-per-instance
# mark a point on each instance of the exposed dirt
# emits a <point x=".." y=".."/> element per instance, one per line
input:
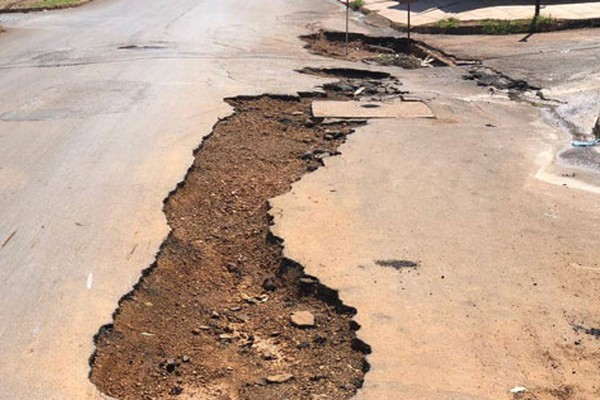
<point x="211" y="318"/>
<point x="376" y="50"/>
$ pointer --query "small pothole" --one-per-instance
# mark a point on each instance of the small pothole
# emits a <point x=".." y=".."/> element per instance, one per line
<point x="397" y="264"/>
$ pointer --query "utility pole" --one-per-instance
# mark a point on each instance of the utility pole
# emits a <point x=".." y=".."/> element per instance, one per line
<point x="408" y="3"/>
<point x="538" y="5"/>
<point x="347" y="18"/>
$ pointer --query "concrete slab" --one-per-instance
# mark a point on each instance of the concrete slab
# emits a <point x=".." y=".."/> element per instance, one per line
<point x="358" y="109"/>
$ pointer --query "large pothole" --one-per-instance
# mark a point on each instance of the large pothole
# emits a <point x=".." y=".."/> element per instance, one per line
<point x="212" y="316"/>
<point x="385" y="50"/>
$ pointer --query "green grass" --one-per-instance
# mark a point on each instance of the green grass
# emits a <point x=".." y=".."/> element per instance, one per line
<point x="507" y="27"/>
<point x="447" y="23"/>
<point x="55" y="3"/>
<point x="357" y="4"/>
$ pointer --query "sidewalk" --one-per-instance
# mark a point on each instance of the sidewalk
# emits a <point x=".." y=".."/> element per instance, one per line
<point x="426" y="12"/>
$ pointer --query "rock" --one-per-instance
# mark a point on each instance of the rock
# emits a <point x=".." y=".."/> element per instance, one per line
<point x="195" y="331"/>
<point x="170" y="365"/>
<point x="269" y="284"/>
<point x="176" y="390"/>
<point x="312" y="168"/>
<point x="339" y="87"/>
<point x="596" y="130"/>
<point x="518" y="389"/>
<point x="307" y="156"/>
<point x="328" y="137"/>
<point x="279" y="378"/>
<point x="226" y="336"/>
<point x="232" y="268"/>
<point x="308" y="280"/>
<point x="303" y="319"/>
<point x="243" y="317"/>
<point x="321" y="156"/>
<point x="186" y="359"/>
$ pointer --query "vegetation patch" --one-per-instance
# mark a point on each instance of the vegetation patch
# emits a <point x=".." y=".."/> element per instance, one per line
<point x="357" y="4"/>
<point x="448" y="23"/>
<point x="56" y="3"/>
<point x="507" y="27"/>
<point x="37" y="5"/>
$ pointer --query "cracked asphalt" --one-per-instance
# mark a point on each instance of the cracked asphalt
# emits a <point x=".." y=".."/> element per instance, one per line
<point x="100" y="111"/>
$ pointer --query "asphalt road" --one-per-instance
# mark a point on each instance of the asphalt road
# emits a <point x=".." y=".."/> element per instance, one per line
<point x="100" y="109"/>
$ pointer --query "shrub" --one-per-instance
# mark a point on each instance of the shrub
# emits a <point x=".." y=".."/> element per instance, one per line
<point x="447" y="23"/>
<point x="357" y="4"/>
<point x="507" y="27"/>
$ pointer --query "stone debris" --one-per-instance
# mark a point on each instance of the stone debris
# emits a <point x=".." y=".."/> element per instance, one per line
<point x="303" y="319"/>
<point x="518" y="389"/>
<point x="170" y="365"/>
<point x="279" y="378"/>
<point x="596" y="130"/>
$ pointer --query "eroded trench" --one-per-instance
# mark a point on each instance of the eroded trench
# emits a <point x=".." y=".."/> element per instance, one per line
<point x="214" y="316"/>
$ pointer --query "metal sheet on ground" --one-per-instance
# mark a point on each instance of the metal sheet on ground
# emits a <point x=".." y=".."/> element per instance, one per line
<point x="361" y="109"/>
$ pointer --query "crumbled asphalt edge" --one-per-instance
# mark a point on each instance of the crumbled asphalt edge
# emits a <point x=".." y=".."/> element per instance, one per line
<point x="397" y="44"/>
<point x="384" y="44"/>
<point x="308" y="284"/>
<point x="489" y="77"/>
